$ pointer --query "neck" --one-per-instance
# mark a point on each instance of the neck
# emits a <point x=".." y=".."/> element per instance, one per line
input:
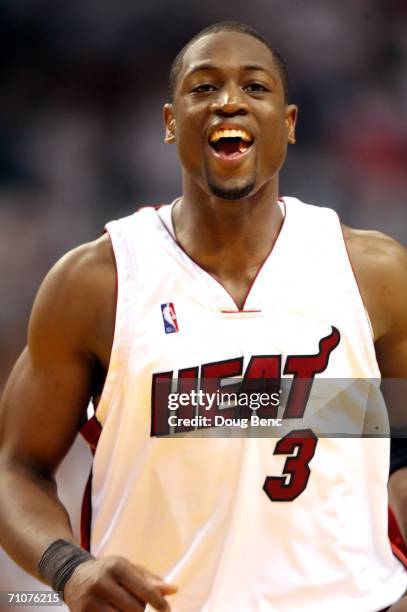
<point x="228" y="238"/>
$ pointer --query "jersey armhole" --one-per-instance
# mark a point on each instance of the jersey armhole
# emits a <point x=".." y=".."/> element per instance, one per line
<point x="125" y="318"/>
<point x="366" y="328"/>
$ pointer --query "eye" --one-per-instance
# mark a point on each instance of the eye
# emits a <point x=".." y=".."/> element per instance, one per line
<point x="256" y="87"/>
<point x="203" y="88"/>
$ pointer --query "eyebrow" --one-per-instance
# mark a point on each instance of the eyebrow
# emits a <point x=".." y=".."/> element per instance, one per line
<point x="209" y="66"/>
<point x="256" y="67"/>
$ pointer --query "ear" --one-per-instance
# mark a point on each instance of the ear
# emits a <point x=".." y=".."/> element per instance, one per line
<point x="169" y="122"/>
<point x="291" y="114"/>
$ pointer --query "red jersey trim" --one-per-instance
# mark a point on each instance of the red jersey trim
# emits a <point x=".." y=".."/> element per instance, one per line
<point x="91" y="431"/>
<point x="397" y="542"/>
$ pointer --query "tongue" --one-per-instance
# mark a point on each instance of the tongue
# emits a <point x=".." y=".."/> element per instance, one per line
<point x="228" y="146"/>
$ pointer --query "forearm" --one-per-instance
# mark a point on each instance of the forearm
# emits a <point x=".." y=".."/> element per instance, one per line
<point x="31" y="516"/>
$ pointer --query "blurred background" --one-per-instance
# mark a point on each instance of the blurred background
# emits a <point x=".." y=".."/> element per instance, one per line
<point x="82" y="85"/>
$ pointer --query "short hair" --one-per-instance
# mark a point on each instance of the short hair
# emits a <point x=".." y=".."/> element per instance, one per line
<point x="228" y="26"/>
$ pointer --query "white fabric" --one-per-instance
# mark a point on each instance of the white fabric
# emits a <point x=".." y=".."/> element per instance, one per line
<point x="193" y="509"/>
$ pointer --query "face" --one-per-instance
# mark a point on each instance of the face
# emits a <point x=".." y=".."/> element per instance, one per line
<point x="229" y="118"/>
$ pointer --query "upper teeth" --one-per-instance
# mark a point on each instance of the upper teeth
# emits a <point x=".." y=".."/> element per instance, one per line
<point x="224" y="133"/>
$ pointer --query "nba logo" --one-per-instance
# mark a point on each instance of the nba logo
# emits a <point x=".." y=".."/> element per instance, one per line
<point x="169" y="318"/>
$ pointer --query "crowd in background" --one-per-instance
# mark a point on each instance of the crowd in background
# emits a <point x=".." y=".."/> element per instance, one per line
<point x="81" y="136"/>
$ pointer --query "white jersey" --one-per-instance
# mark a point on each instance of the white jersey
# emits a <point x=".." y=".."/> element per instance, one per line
<point x="229" y="519"/>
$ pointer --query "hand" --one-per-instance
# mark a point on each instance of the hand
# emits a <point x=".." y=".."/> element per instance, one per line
<point x="113" y="583"/>
<point x="399" y="606"/>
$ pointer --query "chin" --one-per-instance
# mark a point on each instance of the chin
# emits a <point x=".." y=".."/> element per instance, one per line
<point x="238" y="192"/>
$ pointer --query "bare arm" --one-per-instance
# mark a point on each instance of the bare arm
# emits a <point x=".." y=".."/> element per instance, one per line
<point x="69" y="342"/>
<point x="43" y="402"/>
<point x="380" y="265"/>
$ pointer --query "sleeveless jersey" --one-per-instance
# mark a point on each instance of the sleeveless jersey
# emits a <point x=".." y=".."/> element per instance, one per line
<point x="238" y="523"/>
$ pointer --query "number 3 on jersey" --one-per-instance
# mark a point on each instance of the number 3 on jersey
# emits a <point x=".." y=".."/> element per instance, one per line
<point x="296" y="466"/>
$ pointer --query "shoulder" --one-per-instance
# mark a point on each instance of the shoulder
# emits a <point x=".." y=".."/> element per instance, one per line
<point x="89" y="266"/>
<point x="76" y="301"/>
<point x="380" y="266"/>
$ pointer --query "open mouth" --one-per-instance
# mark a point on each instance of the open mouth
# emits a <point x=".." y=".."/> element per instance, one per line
<point x="230" y="143"/>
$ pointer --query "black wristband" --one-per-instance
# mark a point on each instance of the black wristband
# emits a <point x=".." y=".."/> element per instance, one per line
<point x="59" y="561"/>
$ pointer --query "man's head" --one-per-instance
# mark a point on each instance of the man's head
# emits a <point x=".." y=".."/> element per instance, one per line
<point x="229" y="114"/>
<point x="227" y="26"/>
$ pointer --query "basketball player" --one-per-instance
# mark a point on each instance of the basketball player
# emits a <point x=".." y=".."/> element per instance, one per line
<point x="251" y="285"/>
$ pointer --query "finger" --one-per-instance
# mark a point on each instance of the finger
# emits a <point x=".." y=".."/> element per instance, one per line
<point x="118" y="597"/>
<point x="166" y="588"/>
<point x="142" y="588"/>
<point x="99" y="605"/>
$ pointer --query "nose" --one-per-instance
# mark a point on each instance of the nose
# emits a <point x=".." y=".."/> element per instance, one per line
<point x="230" y="101"/>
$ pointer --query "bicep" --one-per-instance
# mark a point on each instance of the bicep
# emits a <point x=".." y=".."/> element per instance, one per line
<point x="392" y="355"/>
<point x="51" y="383"/>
